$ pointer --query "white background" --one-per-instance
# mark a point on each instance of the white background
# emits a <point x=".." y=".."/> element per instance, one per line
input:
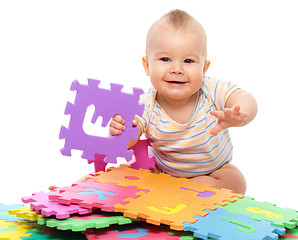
<point x="45" y="45"/>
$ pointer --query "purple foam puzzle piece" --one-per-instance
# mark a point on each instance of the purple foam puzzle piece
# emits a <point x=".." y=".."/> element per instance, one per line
<point x="40" y="203"/>
<point x="107" y="104"/>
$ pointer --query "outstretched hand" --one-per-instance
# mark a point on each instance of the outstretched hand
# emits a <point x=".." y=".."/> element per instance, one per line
<point x="229" y="117"/>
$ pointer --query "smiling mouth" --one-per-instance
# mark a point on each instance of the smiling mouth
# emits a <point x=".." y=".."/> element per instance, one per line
<point x="176" y="82"/>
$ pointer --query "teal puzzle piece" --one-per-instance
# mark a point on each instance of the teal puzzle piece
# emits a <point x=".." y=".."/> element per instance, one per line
<point x="220" y="224"/>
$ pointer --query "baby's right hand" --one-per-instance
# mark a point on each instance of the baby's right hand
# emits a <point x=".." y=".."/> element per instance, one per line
<point x="117" y="125"/>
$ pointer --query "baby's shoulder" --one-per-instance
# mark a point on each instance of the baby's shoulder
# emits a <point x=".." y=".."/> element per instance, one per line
<point x="148" y="97"/>
<point x="209" y="81"/>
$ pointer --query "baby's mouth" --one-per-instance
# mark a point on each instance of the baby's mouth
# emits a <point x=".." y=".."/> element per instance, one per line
<point x="176" y="82"/>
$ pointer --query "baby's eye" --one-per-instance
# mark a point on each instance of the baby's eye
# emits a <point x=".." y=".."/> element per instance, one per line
<point x="165" y="59"/>
<point x="188" y="61"/>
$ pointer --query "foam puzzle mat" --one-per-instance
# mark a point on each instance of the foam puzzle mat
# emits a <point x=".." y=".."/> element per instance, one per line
<point x="146" y="199"/>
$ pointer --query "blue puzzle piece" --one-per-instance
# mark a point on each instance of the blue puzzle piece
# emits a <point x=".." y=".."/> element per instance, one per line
<point x="10" y="229"/>
<point x="4" y="215"/>
<point x="140" y="233"/>
<point x="4" y="207"/>
<point x="220" y="224"/>
<point x="100" y="194"/>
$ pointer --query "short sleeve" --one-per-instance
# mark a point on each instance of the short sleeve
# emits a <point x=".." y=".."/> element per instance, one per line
<point x="148" y="100"/>
<point x="219" y="91"/>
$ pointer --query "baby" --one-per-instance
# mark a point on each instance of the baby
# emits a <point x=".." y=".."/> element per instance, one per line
<point x="187" y="115"/>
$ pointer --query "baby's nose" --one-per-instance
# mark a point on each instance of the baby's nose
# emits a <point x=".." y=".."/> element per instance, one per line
<point x="177" y="68"/>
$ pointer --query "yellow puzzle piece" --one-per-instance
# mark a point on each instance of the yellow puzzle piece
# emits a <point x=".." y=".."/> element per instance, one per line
<point x="15" y="230"/>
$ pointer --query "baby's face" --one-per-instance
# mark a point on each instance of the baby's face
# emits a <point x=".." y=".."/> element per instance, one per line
<point x="176" y="60"/>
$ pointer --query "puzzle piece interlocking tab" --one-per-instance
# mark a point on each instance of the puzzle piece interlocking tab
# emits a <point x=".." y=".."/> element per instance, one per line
<point x="107" y="104"/>
<point x="25" y="212"/>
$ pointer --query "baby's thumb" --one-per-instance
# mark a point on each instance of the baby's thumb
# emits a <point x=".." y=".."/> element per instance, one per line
<point x="135" y="122"/>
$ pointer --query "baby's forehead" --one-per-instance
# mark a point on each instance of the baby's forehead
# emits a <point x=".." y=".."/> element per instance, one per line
<point x="163" y="25"/>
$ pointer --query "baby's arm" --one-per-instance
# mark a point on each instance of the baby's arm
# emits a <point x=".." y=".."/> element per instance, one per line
<point x="241" y="109"/>
<point x="117" y="127"/>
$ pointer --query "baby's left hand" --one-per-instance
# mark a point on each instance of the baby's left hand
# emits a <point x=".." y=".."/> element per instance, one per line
<point x="229" y="117"/>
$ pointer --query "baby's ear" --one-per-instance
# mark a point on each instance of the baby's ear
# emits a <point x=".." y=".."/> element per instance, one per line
<point x="206" y="66"/>
<point x="145" y="65"/>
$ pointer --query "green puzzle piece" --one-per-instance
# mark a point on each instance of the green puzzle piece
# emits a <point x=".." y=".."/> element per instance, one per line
<point x="81" y="223"/>
<point x="281" y="217"/>
<point x="183" y="235"/>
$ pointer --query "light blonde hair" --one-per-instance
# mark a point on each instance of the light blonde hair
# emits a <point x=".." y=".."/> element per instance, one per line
<point x="178" y="18"/>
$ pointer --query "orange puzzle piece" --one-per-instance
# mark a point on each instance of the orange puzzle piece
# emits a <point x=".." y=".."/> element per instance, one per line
<point x="170" y="201"/>
<point x="200" y="193"/>
<point x="125" y="176"/>
<point x="160" y="207"/>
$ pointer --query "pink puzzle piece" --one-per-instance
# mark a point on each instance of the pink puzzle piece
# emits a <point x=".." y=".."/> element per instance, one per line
<point x="40" y="203"/>
<point x="107" y="104"/>
<point x="91" y="194"/>
<point x="141" y="156"/>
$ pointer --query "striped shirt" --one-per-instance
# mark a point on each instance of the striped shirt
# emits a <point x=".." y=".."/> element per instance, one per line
<point x="188" y="150"/>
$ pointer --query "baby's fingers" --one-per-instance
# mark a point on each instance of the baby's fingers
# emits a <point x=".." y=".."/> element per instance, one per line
<point x="236" y="110"/>
<point x="217" y="114"/>
<point x="227" y="113"/>
<point x="117" y="125"/>
<point x="216" y="129"/>
<point x="116" y="128"/>
<point x="244" y="114"/>
<point x="117" y="118"/>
